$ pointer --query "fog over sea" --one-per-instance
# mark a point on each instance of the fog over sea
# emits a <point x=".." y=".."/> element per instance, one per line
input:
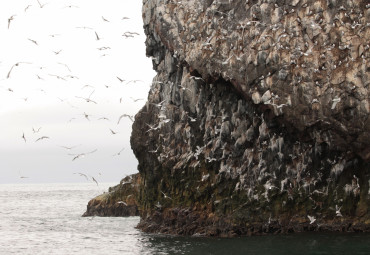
<point x="46" y="219"/>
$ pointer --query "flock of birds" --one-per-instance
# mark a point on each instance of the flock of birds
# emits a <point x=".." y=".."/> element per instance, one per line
<point x="70" y="78"/>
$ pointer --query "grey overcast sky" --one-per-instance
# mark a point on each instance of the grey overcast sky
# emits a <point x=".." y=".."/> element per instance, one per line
<point x="70" y="55"/>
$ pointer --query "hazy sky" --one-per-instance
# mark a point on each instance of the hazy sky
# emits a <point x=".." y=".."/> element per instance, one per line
<point x="59" y="46"/>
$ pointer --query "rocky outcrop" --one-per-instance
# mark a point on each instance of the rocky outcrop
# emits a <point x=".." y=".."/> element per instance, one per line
<point x="258" y="118"/>
<point x="120" y="200"/>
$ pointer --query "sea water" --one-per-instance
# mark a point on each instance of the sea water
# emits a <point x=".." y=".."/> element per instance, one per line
<point x="46" y="219"/>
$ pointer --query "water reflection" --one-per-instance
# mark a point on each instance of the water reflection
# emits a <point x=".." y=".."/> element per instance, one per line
<point x="302" y="243"/>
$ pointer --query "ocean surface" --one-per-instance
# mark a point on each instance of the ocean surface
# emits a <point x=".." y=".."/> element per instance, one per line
<point x="46" y="219"/>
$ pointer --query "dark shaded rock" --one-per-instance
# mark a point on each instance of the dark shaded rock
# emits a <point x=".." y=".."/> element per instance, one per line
<point x="260" y="115"/>
<point x="120" y="200"/>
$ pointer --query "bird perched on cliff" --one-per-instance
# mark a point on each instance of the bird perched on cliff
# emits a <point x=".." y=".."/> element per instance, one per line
<point x="159" y="104"/>
<point x="158" y="205"/>
<point x="311" y="218"/>
<point x="184" y="88"/>
<point x="196" y="78"/>
<point x="121" y="202"/>
<point x="192" y="119"/>
<point x="151" y="127"/>
<point x="336" y="100"/>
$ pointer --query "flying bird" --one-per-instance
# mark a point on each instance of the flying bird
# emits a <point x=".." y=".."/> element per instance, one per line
<point x="24" y="138"/>
<point x="113" y="132"/>
<point x="85" y="28"/>
<point x="97" y="36"/>
<point x="165" y="196"/>
<point x="42" y="138"/>
<point x="136" y="99"/>
<point x="86" y="86"/>
<point x="36" y="130"/>
<point x="125" y="115"/>
<point x="71" y="6"/>
<point x="337" y="211"/>
<point x="65" y="66"/>
<point x="69" y="147"/>
<point x="33" y="41"/>
<point x="21" y="176"/>
<point x="88" y="100"/>
<point x="28" y="6"/>
<point x="94" y="180"/>
<point x="86" y="116"/>
<point x="16" y="64"/>
<point x="121" y="80"/>
<point x="192" y="119"/>
<point x="58" y="77"/>
<point x="311" y="218"/>
<point x="81" y="155"/>
<point x="104" y="48"/>
<point x="134" y="81"/>
<point x="57" y="52"/>
<point x="118" y="153"/>
<point x="104" y="19"/>
<point x="41" y="5"/>
<point x="84" y="175"/>
<point x="10" y="19"/>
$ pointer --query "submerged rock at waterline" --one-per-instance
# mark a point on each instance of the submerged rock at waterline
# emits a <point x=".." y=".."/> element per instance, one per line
<point x="258" y="118"/>
<point x="120" y="200"/>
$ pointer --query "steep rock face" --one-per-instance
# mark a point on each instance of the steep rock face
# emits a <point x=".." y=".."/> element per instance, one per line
<point x="257" y="118"/>
<point x="119" y="201"/>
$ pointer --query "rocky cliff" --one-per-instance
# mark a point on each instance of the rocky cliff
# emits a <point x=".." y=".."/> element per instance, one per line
<point x="119" y="201"/>
<point x="258" y="118"/>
